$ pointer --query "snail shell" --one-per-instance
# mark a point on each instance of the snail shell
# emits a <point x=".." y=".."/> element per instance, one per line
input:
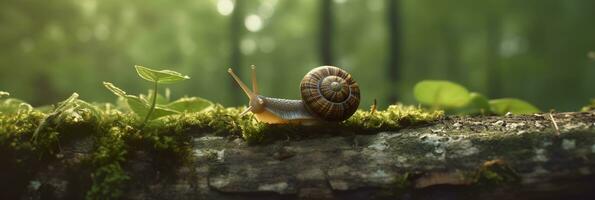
<point x="330" y="93"/>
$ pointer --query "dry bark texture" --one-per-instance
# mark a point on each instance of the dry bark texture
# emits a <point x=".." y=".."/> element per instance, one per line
<point x="520" y="157"/>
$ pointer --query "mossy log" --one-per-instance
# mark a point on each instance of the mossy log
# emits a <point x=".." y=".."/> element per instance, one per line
<point x="486" y="157"/>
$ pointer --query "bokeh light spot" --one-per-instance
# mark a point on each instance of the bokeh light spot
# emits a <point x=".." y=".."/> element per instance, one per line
<point x="253" y="23"/>
<point x="225" y="7"/>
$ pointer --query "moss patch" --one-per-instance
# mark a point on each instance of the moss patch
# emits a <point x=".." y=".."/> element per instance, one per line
<point x="108" y="177"/>
<point x="17" y="154"/>
<point x="228" y="122"/>
<point x="31" y="137"/>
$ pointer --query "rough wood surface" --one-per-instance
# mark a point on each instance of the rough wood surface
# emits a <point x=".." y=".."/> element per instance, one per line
<point x="522" y="157"/>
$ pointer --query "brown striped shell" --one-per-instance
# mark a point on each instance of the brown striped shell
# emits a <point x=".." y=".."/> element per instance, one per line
<point x="330" y="93"/>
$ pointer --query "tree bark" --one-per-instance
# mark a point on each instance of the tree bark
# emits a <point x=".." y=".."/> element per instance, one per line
<point x="520" y="157"/>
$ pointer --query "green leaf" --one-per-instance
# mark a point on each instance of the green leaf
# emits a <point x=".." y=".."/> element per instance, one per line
<point x="515" y="106"/>
<point x="477" y="104"/>
<point x="441" y="94"/>
<point x="159" y="76"/>
<point x="162" y="111"/>
<point x="190" y="104"/>
<point x="117" y="91"/>
<point x="4" y="94"/>
<point x="141" y="108"/>
<point x="137" y="105"/>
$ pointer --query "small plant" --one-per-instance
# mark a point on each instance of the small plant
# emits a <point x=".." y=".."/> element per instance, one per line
<point x="140" y="104"/>
<point x="456" y="98"/>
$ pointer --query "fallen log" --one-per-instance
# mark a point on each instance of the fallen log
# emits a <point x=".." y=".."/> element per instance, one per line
<point x="482" y="157"/>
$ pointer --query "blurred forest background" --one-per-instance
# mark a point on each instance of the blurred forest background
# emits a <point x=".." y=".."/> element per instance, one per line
<point x="531" y="49"/>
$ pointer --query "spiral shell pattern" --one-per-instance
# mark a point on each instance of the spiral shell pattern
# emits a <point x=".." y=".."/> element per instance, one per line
<point x="330" y="93"/>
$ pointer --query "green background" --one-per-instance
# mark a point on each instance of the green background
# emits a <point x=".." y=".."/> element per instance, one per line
<point x="536" y="50"/>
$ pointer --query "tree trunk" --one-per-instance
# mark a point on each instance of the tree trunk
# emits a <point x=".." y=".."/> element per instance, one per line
<point x="394" y="44"/>
<point x="453" y="54"/>
<point x="494" y="70"/>
<point x="516" y="157"/>
<point x="236" y="31"/>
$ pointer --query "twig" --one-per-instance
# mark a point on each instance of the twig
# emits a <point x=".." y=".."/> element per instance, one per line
<point x="555" y="124"/>
<point x="373" y="108"/>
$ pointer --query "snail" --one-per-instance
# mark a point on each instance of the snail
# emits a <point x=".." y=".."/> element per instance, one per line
<point x="329" y="94"/>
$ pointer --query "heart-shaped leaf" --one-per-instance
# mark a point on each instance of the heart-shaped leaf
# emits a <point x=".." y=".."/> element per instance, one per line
<point x="137" y="105"/>
<point x="477" y="104"/>
<point x="439" y="93"/>
<point x="515" y="106"/>
<point x="190" y="104"/>
<point x="161" y="111"/>
<point x="141" y="108"/>
<point x="159" y="76"/>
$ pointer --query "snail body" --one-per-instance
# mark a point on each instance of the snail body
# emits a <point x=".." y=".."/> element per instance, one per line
<point x="329" y="94"/>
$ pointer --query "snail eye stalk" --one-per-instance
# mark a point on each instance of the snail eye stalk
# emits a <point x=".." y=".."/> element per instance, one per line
<point x="244" y="87"/>
<point x="254" y="84"/>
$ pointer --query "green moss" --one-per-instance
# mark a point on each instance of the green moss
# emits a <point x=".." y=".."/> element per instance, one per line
<point x="403" y="182"/>
<point x="18" y="156"/>
<point x="217" y="119"/>
<point x="228" y="122"/>
<point x="108" y="177"/>
<point x="16" y="129"/>
<point x="30" y="136"/>
<point x="252" y="131"/>
<point x="494" y="173"/>
<point x="394" y="117"/>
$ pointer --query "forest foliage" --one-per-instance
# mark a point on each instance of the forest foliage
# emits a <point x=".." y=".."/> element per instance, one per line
<point x="467" y="57"/>
<point x="532" y="50"/>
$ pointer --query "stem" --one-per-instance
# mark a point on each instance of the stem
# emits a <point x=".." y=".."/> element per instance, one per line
<point x="152" y="107"/>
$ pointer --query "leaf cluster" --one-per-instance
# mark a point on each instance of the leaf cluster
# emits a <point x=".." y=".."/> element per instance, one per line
<point x="455" y="98"/>
<point x="154" y="105"/>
